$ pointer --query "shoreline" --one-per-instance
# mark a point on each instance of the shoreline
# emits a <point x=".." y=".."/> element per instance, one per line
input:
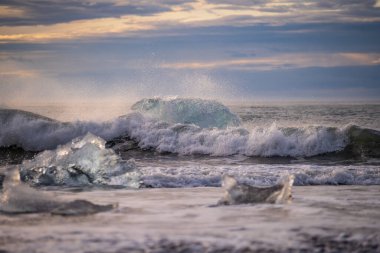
<point x="320" y="219"/>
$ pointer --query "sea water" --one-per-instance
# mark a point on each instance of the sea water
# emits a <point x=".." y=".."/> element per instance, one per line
<point x="165" y="143"/>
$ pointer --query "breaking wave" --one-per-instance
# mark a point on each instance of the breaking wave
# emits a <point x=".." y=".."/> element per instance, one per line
<point x="36" y="133"/>
<point x="187" y="139"/>
<point x="203" y="113"/>
<point x="171" y="135"/>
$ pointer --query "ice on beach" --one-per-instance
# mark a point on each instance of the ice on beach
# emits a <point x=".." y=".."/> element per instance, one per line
<point x="204" y="113"/>
<point x="17" y="197"/>
<point x="236" y="193"/>
<point x="83" y="161"/>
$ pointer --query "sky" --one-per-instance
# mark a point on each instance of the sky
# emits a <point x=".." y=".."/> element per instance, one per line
<point x="68" y="51"/>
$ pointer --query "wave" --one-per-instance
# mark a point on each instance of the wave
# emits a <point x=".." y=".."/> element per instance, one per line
<point x="259" y="174"/>
<point x="187" y="139"/>
<point x="363" y="142"/>
<point x="203" y="113"/>
<point x="36" y="133"/>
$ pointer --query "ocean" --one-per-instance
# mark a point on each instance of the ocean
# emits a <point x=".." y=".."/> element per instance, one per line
<point x="161" y="160"/>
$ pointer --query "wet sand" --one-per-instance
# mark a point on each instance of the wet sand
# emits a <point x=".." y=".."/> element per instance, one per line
<point x="320" y="219"/>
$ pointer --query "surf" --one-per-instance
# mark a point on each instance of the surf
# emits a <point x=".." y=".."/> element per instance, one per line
<point x="188" y="127"/>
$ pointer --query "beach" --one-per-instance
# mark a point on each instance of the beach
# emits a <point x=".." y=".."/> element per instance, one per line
<point x="189" y="126"/>
<point x="161" y="167"/>
<point x="319" y="219"/>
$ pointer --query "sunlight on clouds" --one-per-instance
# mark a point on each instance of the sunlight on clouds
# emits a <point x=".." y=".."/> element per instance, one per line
<point x="8" y="12"/>
<point x="106" y="26"/>
<point x="203" y="11"/>
<point x="285" y="61"/>
<point x="377" y="4"/>
<point x="190" y="14"/>
<point x="198" y="13"/>
<point x="72" y="30"/>
<point x="18" y="74"/>
<point x="360" y="58"/>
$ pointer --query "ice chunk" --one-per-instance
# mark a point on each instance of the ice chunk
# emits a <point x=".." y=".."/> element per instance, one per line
<point x="236" y="193"/>
<point x="17" y="198"/>
<point x="204" y="113"/>
<point x="83" y="161"/>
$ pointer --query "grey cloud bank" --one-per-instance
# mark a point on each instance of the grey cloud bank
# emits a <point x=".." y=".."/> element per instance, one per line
<point x="250" y="49"/>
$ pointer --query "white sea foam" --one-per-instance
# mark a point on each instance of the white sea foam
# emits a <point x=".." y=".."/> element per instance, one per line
<point x="260" y="174"/>
<point x="185" y="139"/>
<point x="273" y="141"/>
<point x="34" y="132"/>
<point x="83" y="161"/>
<point x="186" y="127"/>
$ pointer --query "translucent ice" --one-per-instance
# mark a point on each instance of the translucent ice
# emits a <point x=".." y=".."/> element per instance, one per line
<point x="17" y="198"/>
<point x="204" y="113"/>
<point x="83" y="161"/>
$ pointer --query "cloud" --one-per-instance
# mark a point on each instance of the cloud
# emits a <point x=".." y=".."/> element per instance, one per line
<point x="46" y="21"/>
<point x="10" y="12"/>
<point x="106" y="48"/>
<point x="72" y="30"/>
<point x="18" y="73"/>
<point x="45" y="12"/>
<point x="284" y="61"/>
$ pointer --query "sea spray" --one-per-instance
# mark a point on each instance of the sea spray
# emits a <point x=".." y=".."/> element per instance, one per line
<point x="274" y="141"/>
<point x="182" y="132"/>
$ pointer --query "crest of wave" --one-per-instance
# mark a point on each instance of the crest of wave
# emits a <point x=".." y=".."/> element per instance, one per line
<point x="273" y="141"/>
<point x="35" y="132"/>
<point x="201" y="112"/>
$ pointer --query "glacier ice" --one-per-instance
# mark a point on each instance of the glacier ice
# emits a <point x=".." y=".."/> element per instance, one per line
<point x="201" y="112"/>
<point x="17" y="197"/>
<point x="83" y="161"/>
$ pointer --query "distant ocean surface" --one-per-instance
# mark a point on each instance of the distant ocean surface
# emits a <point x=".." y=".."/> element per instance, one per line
<point x="193" y="142"/>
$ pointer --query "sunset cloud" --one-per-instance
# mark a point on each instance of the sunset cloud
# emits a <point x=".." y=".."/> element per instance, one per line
<point x="284" y="61"/>
<point x="161" y="47"/>
<point x="35" y="21"/>
<point x="18" y="74"/>
<point x="10" y="12"/>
